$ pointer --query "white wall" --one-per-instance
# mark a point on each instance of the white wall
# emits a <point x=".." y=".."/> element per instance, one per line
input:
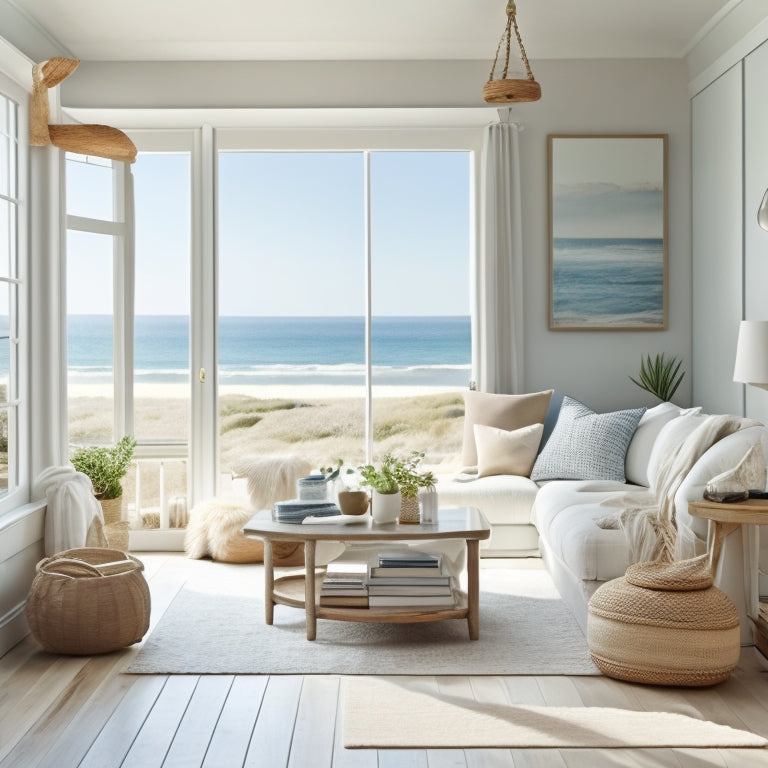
<point x="717" y="242"/>
<point x="583" y="97"/>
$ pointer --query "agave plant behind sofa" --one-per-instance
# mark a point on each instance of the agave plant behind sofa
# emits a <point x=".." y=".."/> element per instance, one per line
<point x="660" y="376"/>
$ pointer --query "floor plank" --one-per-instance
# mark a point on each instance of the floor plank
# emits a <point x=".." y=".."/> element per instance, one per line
<point x="271" y="738"/>
<point x="193" y="736"/>
<point x="115" y="739"/>
<point x="313" y="735"/>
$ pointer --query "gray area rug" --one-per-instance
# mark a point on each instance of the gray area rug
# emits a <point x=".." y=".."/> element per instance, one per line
<point x="525" y="629"/>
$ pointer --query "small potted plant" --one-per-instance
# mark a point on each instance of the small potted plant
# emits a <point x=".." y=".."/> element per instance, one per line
<point x="385" y="492"/>
<point x="399" y="480"/>
<point x="410" y="481"/>
<point x="352" y="501"/>
<point x="106" y="468"/>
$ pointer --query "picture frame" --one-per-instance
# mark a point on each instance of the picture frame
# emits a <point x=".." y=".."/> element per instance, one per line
<point x="608" y="232"/>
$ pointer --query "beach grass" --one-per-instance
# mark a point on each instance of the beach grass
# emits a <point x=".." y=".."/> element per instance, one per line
<point x="320" y="428"/>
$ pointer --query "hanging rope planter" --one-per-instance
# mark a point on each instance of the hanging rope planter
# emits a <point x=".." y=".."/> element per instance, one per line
<point x="504" y="90"/>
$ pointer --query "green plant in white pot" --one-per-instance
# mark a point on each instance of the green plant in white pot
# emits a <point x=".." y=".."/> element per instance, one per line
<point x="385" y="492"/>
<point x="106" y="468"/>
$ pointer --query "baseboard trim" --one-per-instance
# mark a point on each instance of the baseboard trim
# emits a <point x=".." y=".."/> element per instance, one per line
<point x="13" y="627"/>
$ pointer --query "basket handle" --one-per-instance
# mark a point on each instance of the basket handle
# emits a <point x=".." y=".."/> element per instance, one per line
<point x="50" y="567"/>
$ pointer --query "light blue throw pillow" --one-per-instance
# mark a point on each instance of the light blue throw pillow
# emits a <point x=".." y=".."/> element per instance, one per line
<point x="585" y="445"/>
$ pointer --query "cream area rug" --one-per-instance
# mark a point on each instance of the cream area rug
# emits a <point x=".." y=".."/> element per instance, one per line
<point x="407" y="714"/>
<point x="209" y="628"/>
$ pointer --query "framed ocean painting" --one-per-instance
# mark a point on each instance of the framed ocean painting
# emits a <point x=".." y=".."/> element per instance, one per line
<point x="608" y="232"/>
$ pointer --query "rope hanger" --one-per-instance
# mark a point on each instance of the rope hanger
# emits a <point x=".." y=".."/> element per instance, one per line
<point x="505" y="90"/>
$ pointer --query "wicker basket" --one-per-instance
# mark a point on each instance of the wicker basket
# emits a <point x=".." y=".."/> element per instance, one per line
<point x="88" y="601"/>
<point x="112" y="509"/>
<point x="409" y="511"/>
<point x="684" y="635"/>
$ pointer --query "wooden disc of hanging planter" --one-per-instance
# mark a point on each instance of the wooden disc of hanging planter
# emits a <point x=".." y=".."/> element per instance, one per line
<point x="506" y="91"/>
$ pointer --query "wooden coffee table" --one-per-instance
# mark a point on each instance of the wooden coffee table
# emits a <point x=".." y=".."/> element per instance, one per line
<point x="302" y="590"/>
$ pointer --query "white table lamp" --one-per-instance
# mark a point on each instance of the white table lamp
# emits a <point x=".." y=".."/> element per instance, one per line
<point x="752" y="353"/>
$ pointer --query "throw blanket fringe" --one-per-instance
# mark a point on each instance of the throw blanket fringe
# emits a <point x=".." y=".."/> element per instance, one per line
<point x="648" y="517"/>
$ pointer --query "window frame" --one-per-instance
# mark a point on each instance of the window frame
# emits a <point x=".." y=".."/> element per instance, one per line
<point x="19" y="379"/>
<point x="204" y="144"/>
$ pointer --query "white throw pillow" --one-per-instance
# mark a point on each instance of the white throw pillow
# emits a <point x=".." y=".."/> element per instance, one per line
<point x="502" y="412"/>
<point x="641" y="445"/>
<point x="507" y="452"/>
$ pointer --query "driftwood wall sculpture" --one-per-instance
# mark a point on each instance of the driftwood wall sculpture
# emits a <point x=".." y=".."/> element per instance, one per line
<point x="98" y="140"/>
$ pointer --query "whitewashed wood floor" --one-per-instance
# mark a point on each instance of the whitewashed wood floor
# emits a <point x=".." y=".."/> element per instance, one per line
<point x="81" y="711"/>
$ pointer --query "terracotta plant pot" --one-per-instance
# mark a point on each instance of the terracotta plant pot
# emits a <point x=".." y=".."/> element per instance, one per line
<point x="353" y="502"/>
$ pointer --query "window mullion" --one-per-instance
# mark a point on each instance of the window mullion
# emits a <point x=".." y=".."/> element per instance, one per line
<point x="368" y="309"/>
<point x="123" y="293"/>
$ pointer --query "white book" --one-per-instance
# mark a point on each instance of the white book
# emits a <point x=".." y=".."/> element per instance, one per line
<point x="409" y="601"/>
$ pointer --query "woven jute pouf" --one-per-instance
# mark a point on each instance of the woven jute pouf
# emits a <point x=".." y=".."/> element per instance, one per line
<point x="664" y="624"/>
<point x="88" y="601"/>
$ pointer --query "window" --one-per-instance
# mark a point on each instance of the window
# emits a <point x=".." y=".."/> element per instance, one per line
<point x="12" y="304"/>
<point x="128" y="321"/>
<point x="304" y="239"/>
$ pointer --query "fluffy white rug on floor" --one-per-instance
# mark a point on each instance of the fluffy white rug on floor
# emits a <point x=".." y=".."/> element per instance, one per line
<point x="525" y="628"/>
<point x="413" y="714"/>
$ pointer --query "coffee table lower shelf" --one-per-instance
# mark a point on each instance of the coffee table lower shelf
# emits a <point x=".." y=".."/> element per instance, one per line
<point x="290" y="590"/>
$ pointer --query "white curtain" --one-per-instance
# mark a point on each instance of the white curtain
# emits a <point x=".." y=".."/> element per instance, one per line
<point x="500" y="283"/>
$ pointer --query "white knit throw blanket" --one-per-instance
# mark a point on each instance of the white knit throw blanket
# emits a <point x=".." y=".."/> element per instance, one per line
<point x="648" y="517"/>
<point x="73" y="518"/>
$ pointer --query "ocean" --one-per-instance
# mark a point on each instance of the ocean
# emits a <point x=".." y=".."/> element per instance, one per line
<point x="428" y="351"/>
<point x="608" y="281"/>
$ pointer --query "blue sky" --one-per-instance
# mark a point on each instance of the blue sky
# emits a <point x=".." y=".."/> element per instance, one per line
<point x="291" y="234"/>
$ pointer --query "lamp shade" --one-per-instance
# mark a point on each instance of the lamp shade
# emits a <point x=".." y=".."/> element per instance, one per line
<point x="752" y="353"/>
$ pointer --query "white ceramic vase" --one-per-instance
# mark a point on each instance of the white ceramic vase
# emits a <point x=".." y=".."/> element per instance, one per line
<point x="385" y="507"/>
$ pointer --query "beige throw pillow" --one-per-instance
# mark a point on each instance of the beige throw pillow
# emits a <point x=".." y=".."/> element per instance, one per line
<point x="507" y="452"/>
<point x="501" y="411"/>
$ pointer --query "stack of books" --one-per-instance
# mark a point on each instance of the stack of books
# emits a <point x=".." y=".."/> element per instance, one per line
<point x="295" y="510"/>
<point x="409" y="580"/>
<point x="344" y="586"/>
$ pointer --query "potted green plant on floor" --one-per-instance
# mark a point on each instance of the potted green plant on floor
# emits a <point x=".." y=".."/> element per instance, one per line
<point x="106" y="468"/>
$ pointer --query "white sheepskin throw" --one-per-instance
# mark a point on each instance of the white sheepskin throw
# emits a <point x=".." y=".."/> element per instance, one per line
<point x="211" y="526"/>
<point x="215" y="527"/>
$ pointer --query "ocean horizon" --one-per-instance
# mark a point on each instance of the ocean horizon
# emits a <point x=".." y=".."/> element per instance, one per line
<point x="411" y="351"/>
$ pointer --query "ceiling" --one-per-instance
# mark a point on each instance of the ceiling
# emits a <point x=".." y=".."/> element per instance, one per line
<point x="147" y="30"/>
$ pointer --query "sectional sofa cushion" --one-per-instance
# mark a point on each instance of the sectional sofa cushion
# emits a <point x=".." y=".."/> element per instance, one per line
<point x="585" y="445"/>
<point x="641" y="445"/>
<point x="566" y="514"/>
<point x="503" y="499"/>
<point x="500" y="411"/>
<point x="507" y="452"/>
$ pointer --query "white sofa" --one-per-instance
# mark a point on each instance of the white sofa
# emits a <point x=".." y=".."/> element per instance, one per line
<point x="559" y="519"/>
